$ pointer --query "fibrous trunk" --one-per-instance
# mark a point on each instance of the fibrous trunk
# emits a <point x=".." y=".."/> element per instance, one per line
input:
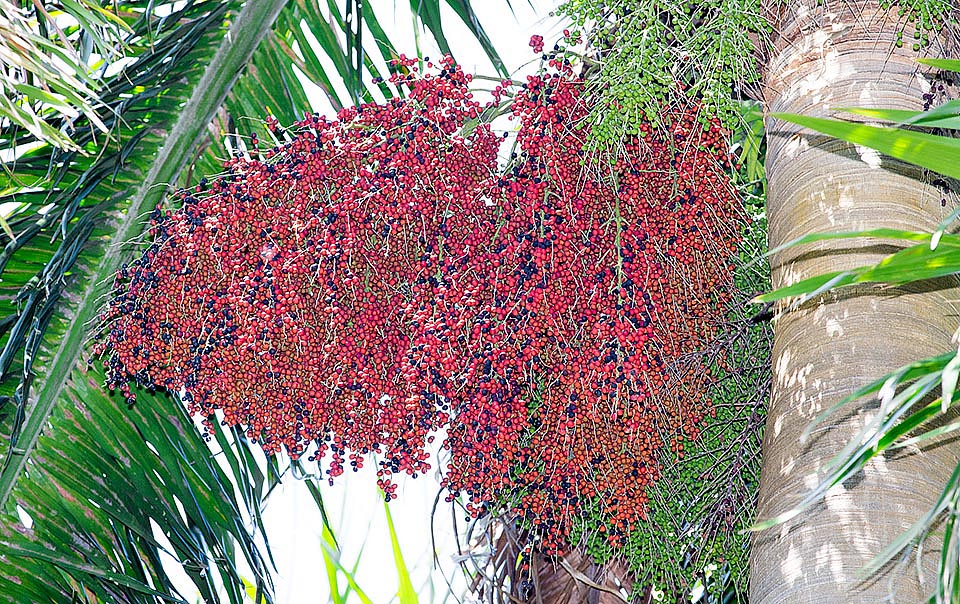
<point x="826" y="56"/>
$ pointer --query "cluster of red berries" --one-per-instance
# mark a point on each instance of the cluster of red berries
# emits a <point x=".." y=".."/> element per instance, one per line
<point x="381" y="277"/>
<point x="536" y="43"/>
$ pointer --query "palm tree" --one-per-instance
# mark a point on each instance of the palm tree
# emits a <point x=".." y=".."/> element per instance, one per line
<point x="97" y="499"/>
<point x="94" y="496"/>
<point x="823" y="56"/>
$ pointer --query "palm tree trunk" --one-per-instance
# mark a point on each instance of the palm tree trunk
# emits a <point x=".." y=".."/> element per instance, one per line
<point x="843" y="54"/>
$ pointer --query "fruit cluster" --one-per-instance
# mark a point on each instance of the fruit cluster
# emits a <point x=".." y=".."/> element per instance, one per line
<point x="383" y="277"/>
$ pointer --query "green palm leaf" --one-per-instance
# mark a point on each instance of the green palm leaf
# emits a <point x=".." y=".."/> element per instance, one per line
<point x="104" y="481"/>
<point x="94" y="488"/>
<point x="158" y="161"/>
<point x="45" y="80"/>
<point x="927" y="150"/>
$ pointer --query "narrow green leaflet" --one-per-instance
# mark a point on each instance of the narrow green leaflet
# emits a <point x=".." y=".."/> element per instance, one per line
<point x="953" y="240"/>
<point x="428" y="12"/>
<point x="406" y="592"/>
<point x="915" y="263"/>
<point x="469" y="17"/>
<point x="937" y="153"/>
<point x="330" y="552"/>
<point x="903" y="375"/>
<point x="920" y="528"/>
<point x="332" y="556"/>
<point x="945" y="64"/>
<point x="103" y="479"/>
<point x="808" y="288"/>
<point x="871" y="440"/>
<point x="945" y="116"/>
<point x="949" y="382"/>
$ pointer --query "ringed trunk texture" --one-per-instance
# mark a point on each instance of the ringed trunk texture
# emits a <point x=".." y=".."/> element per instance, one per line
<point x="843" y="54"/>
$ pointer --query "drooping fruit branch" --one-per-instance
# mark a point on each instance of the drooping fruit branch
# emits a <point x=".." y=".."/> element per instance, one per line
<point x="380" y="278"/>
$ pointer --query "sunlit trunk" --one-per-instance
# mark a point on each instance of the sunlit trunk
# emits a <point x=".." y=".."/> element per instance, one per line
<point x="843" y="54"/>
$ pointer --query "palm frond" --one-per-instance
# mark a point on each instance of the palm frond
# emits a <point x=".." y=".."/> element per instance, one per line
<point x="45" y="74"/>
<point x="75" y="215"/>
<point x="110" y="493"/>
<point x="162" y="141"/>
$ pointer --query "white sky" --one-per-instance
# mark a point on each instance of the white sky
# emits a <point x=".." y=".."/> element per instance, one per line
<point x="353" y="503"/>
